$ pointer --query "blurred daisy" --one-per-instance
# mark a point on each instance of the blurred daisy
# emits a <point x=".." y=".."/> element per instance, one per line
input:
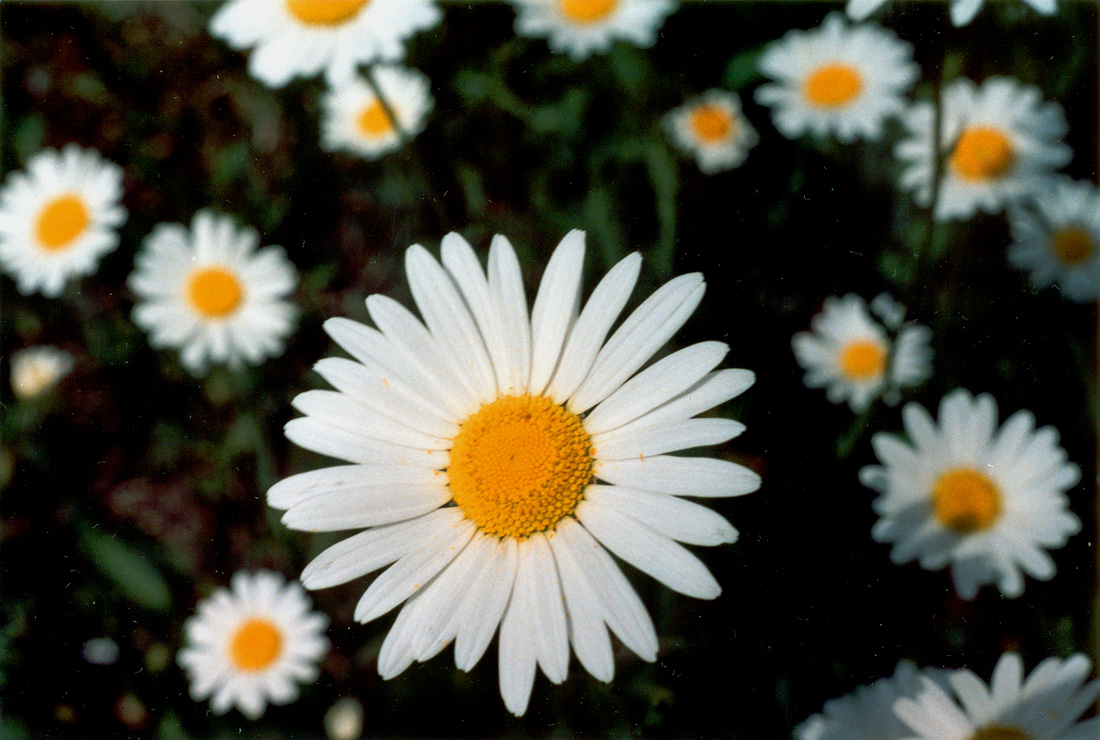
<point x="1058" y="241"/>
<point x="985" y="502"/>
<point x="253" y="644"/>
<point x="58" y="218"/>
<point x="999" y="142"/>
<point x="712" y="128"/>
<point x="210" y="292"/>
<point x="853" y="357"/>
<point x="1046" y="706"/>
<point x="36" y="370"/>
<point x="962" y="11"/>
<point x="305" y="37"/>
<point x="837" y="80"/>
<point x="355" y="121"/>
<point x="583" y="27"/>
<point x="477" y="442"/>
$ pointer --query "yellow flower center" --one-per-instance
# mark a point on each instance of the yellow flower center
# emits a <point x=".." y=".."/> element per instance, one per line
<point x="1000" y="733"/>
<point x="61" y="221"/>
<point x="863" y="360"/>
<point x="833" y="85"/>
<point x="1072" y="245"/>
<point x="711" y="123"/>
<point x="519" y="465"/>
<point x="374" y="121"/>
<point x="256" y="645"/>
<point x="966" y="501"/>
<point x="214" y="292"/>
<point x="325" y="12"/>
<point x="982" y="153"/>
<point x="587" y="11"/>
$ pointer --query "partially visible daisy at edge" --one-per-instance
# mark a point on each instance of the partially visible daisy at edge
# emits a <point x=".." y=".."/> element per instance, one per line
<point x="37" y="370"/>
<point x="962" y="11"/>
<point x="354" y="120"/>
<point x="580" y="28"/>
<point x="500" y="458"/>
<point x="713" y="129"/>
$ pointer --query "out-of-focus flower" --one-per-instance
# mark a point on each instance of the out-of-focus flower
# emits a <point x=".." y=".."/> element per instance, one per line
<point x="37" y="370"/>
<point x="58" y="218"/>
<point x="253" y="644"/>
<point x="344" y="720"/>
<point x="713" y="129"/>
<point x="962" y="11"/>
<point x="986" y="502"/>
<point x="836" y="80"/>
<point x="583" y="27"/>
<point x="1000" y="141"/>
<point x="210" y="292"/>
<point x="476" y="444"/>
<point x="307" y="37"/>
<point x="356" y="121"/>
<point x="100" y="651"/>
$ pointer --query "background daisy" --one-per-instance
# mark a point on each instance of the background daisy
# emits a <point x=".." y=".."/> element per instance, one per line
<point x="962" y="11"/>
<point x="35" y="370"/>
<point x="712" y="128"/>
<point x="583" y="27"/>
<point x="355" y="121"/>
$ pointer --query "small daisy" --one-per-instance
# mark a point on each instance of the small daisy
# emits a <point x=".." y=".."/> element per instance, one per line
<point x="985" y="502"/>
<point x="1045" y="706"/>
<point x="853" y="357"/>
<point x="253" y="644"/>
<point x="211" y="293"/>
<point x="58" y="218"/>
<point x="713" y="129"/>
<point x="1058" y="241"/>
<point x="355" y="121"/>
<point x="583" y="27"/>
<point x="500" y="457"/>
<point x="837" y="80"/>
<point x="36" y="370"/>
<point x="962" y="11"/>
<point x="306" y="37"/>
<point x="999" y="142"/>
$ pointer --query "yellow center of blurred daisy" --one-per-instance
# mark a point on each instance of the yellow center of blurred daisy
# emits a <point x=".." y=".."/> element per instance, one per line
<point x="374" y="121"/>
<point x="256" y="645"/>
<point x="60" y="222"/>
<point x="519" y="465"/>
<point x="1000" y="733"/>
<point x="982" y="153"/>
<point x="325" y="12"/>
<point x="710" y="123"/>
<point x="1072" y="245"/>
<point x="833" y="85"/>
<point x="862" y="360"/>
<point x="587" y="11"/>
<point x="966" y="501"/>
<point x="214" y="292"/>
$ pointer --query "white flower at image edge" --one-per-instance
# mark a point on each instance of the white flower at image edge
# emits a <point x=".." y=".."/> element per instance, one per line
<point x="499" y="459"/>
<point x="580" y="28"/>
<point x="712" y="128"/>
<point x="962" y="11"/>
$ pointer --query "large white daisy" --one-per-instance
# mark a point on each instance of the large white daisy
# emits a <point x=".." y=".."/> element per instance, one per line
<point x="211" y="293"/>
<point x="713" y="129"/>
<point x="583" y="27"/>
<point x="305" y="37"/>
<point x="58" y="218"/>
<point x="962" y="11"/>
<point x="356" y="121"/>
<point x="252" y="644"/>
<point x="998" y="142"/>
<point x="36" y="370"/>
<point x="497" y="460"/>
<point x="987" y="502"/>
<point x="836" y="80"/>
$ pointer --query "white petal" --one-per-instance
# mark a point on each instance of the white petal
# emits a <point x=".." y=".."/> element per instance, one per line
<point x="298" y="488"/>
<point x="365" y="507"/>
<point x="342" y="444"/>
<point x="587" y="632"/>
<point x="555" y="308"/>
<point x="543" y="591"/>
<point x="484" y="606"/>
<point x="344" y="412"/>
<point x="680" y="476"/>
<point x="510" y="300"/>
<point x="670" y="436"/>
<point x="673" y="517"/>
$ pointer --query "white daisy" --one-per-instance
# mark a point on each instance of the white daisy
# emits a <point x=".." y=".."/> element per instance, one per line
<point x="354" y="120"/>
<point x="998" y="142"/>
<point x="854" y="357"/>
<point x="962" y="11"/>
<point x="253" y="644"/>
<point x="305" y="37"/>
<point x="837" y="80"/>
<point x="985" y="502"/>
<point x="499" y="459"/>
<point x="1045" y="706"/>
<point x="583" y="27"/>
<point x="58" y="218"/>
<point x="712" y="128"/>
<point x="1058" y="240"/>
<point x="210" y="292"/>
<point x="36" y="370"/>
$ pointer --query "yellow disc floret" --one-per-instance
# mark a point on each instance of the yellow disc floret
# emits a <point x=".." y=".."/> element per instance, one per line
<point x="1000" y="733"/>
<point x="214" y="292"/>
<point x="256" y="645"/>
<point x="862" y="360"/>
<point x="710" y="124"/>
<point x="966" y="500"/>
<point x="325" y="12"/>
<point x="374" y="121"/>
<point x="587" y="11"/>
<point x="60" y="222"/>
<point x="833" y="85"/>
<point x="1072" y="245"/>
<point x="982" y="153"/>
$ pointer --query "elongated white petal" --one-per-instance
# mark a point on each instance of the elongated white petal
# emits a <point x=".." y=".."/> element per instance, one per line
<point x="587" y="631"/>
<point x="341" y="444"/>
<point x="555" y="308"/>
<point x="481" y="611"/>
<point x="510" y="299"/>
<point x="343" y="412"/>
<point x="550" y="635"/>
<point x="365" y="507"/>
<point x="449" y="589"/>
<point x="680" y="476"/>
<point x="671" y="516"/>
<point x="297" y="488"/>
<point x="396" y="653"/>
<point x="516" y="657"/>
<point x="670" y="436"/>
<point x="716" y="388"/>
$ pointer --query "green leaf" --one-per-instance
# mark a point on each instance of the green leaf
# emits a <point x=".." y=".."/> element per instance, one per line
<point x="741" y="70"/>
<point x="135" y="575"/>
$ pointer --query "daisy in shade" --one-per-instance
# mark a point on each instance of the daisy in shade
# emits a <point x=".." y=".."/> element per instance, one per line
<point x="211" y="293"/>
<point x="836" y="80"/>
<point x="855" y="358"/>
<point x="987" y="502"/>
<point x="308" y="37"/>
<point x="1058" y="240"/>
<point x="999" y="141"/>
<point x="962" y="11"/>
<point x="1045" y="706"/>
<point x="712" y="128"/>
<point x="253" y="644"/>
<point x="498" y="459"/>
<point x="583" y="27"/>
<point x="58" y="218"/>
<point x="36" y="370"/>
<point x="356" y="121"/>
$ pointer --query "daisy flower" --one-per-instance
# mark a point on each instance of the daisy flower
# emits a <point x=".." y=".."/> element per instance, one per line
<point x="355" y="121"/>
<point x="999" y="141"/>
<point x="498" y="461"/>
<point x="712" y="128"/>
<point x="837" y="80"/>
<point x="252" y="644"/>
<point x="36" y="370"/>
<point x="58" y="218"/>
<point x="854" y="358"/>
<point x="305" y="37"/>
<point x="583" y="27"/>
<point x="210" y="292"/>
<point x="1058" y="241"/>
<point x="1045" y="706"/>
<point x="985" y="501"/>
<point x="962" y="11"/>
